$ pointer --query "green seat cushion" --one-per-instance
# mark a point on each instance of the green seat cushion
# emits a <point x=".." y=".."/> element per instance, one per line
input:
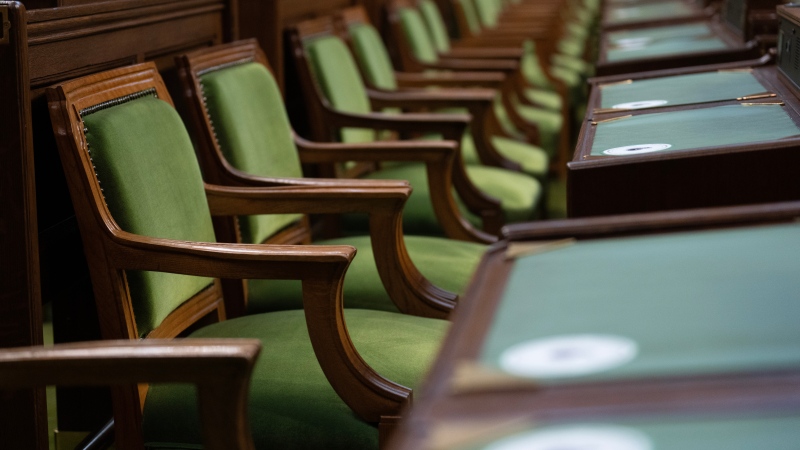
<point x="534" y="160"/>
<point x="548" y="123"/>
<point x="151" y="192"/>
<point x="519" y="195"/>
<point x="721" y="301"/>
<point x="689" y="129"/>
<point x="545" y="98"/>
<point x="246" y="107"/>
<point x="575" y="64"/>
<point x="446" y="263"/>
<point x="674" y="9"/>
<point x="291" y="404"/>
<point x="682" y="89"/>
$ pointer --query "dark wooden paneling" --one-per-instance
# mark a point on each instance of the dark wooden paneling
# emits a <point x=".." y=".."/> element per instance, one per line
<point x="22" y="413"/>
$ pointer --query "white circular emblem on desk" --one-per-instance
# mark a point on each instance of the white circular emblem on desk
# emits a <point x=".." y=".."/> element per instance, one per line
<point x="588" y="437"/>
<point x="641" y="104"/>
<point x="568" y="355"/>
<point x="636" y="149"/>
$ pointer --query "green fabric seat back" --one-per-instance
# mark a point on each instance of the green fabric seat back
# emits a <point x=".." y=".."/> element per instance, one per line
<point x="436" y="26"/>
<point x="337" y="75"/>
<point x="488" y="12"/>
<point x="291" y="405"/>
<point x="152" y="185"/>
<point x="372" y="56"/>
<point x="253" y="131"/>
<point x="417" y="35"/>
<point x="531" y="67"/>
<point x="471" y="16"/>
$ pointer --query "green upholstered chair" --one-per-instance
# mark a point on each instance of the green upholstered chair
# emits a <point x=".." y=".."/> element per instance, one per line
<point x="145" y="216"/>
<point x="244" y="138"/>
<point x="340" y="109"/>
<point x="220" y="368"/>
<point x="373" y="59"/>
<point x="516" y="111"/>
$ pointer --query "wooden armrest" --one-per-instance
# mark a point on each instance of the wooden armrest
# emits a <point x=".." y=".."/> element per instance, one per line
<point x="512" y="53"/>
<point x="321" y="270"/>
<point x="383" y="201"/>
<point x="503" y="65"/>
<point x="221" y="369"/>
<point x="450" y="79"/>
<point x="438" y="156"/>
<point x="438" y="98"/>
<point x="658" y="222"/>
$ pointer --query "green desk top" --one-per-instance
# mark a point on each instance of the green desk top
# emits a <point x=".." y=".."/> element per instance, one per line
<point x="773" y="432"/>
<point x="674" y="9"/>
<point x="678" y="304"/>
<point x="689" y="129"/>
<point x="655" y="33"/>
<point x="680" y="90"/>
<point x="665" y="47"/>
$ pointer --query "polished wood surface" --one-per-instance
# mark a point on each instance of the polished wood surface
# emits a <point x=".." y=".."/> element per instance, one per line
<point x="220" y="368"/>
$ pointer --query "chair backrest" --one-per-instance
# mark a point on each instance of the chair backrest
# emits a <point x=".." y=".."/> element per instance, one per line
<point x="240" y="122"/>
<point x="368" y="47"/>
<point x="436" y="24"/>
<point x="415" y="33"/>
<point x="469" y="22"/>
<point x="118" y="152"/>
<point x="336" y="80"/>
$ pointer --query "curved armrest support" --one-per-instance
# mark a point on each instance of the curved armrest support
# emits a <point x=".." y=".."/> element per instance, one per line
<point x="221" y="369"/>
<point x="438" y="157"/>
<point x="438" y="98"/>
<point x="384" y="201"/>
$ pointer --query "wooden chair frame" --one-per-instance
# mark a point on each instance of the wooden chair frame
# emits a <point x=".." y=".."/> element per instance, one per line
<point x="111" y="251"/>
<point x="220" y="368"/>
<point x="327" y="120"/>
<point x="410" y="290"/>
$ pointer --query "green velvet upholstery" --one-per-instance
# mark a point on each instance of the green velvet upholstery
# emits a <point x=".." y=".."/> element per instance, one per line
<point x="254" y="135"/>
<point x="548" y="123"/>
<point x="683" y="89"/>
<point x="672" y="9"/>
<point x="488" y="12"/>
<point x="337" y="73"/>
<point x="518" y="193"/>
<point x="446" y="263"/>
<point x="534" y="160"/>
<point x="139" y="150"/>
<point x="695" y="303"/>
<point x="768" y="429"/>
<point x="689" y="129"/>
<point x="534" y="74"/>
<point x="292" y="406"/>
<point x="340" y="81"/>
<point x="471" y="16"/>
<point x="417" y="35"/>
<point x="372" y="57"/>
<point x="545" y="98"/>
<point x="436" y="25"/>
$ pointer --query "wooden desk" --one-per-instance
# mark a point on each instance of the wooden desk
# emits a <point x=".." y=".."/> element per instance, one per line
<point x="672" y="372"/>
<point x="714" y="169"/>
<point x="667" y="46"/>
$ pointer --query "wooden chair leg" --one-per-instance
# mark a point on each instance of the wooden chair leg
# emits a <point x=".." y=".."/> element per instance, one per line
<point x="386" y="427"/>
